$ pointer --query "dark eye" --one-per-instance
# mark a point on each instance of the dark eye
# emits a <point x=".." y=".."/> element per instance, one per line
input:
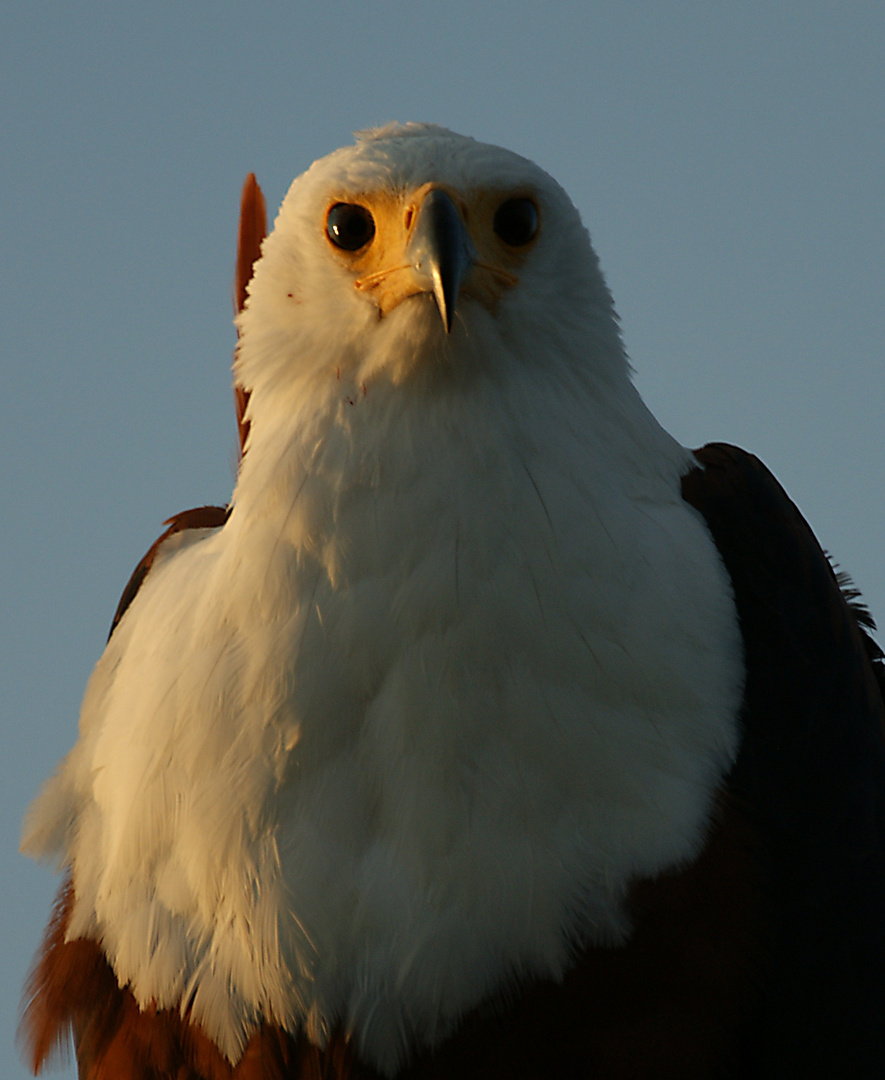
<point x="516" y="221"/>
<point x="349" y="226"/>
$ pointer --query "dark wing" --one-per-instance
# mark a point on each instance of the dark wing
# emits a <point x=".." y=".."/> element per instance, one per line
<point x="201" y="517"/>
<point x="810" y="777"/>
<point x="253" y="229"/>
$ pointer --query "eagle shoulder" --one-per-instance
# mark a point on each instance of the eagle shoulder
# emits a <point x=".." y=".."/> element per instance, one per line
<point x="199" y="517"/>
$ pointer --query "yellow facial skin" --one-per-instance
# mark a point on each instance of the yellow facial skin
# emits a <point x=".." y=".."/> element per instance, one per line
<point x="383" y="268"/>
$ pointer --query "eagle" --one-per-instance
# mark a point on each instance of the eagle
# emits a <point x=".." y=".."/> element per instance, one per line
<point x="488" y="731"/>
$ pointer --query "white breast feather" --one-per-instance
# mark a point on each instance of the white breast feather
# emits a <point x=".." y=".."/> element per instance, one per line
<point x="460" y="666"/>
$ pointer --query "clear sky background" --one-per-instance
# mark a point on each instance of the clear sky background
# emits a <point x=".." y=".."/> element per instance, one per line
<point x="729" y="160"/>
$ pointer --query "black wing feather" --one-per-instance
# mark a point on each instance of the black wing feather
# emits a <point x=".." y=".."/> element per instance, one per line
<point x="810" y="775"/>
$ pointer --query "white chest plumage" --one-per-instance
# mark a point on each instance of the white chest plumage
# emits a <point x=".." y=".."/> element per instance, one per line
<point x="406" y="725"/>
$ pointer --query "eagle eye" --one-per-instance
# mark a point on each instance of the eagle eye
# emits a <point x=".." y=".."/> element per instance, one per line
<point x="349" y="226"/>
<point x="516" y="221"/>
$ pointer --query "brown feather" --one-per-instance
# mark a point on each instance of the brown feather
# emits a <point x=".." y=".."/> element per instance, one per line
<point x="200" y="517"/>
<point x="72" y="991"/>
<point x="253" y="229"/>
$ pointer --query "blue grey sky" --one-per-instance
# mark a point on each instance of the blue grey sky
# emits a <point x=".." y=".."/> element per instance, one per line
<point x="728" y="159"/>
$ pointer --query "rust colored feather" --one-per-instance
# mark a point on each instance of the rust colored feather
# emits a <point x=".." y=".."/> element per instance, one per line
<point x="73" y="993"/>
<point x="253" y="229"/>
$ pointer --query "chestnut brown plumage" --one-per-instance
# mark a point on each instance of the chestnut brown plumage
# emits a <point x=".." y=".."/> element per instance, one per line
<point x="252" y="230"/>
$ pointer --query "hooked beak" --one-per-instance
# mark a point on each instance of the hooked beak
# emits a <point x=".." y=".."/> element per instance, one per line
<point x="440" y="251"/>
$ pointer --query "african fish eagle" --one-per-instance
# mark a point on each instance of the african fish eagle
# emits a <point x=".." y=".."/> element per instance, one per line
<point x="488" y="732"/>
